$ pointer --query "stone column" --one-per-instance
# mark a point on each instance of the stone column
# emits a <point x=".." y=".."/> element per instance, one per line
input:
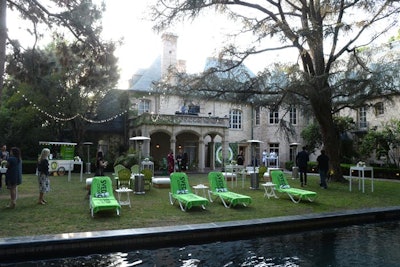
<point x="201" y="154"/>
<point x="211" y="146"/>
<point x="225" y="146"/>
<point x="225" y="151"/>
<point x="172" y="143"/>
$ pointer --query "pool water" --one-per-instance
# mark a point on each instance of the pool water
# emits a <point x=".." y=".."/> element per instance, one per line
<point x="358" y="245"/>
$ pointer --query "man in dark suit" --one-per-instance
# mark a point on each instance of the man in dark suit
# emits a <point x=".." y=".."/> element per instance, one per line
<point x="302" y="161"/>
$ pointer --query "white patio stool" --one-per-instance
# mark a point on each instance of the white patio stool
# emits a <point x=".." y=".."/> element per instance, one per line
<point x="161" y="182"/>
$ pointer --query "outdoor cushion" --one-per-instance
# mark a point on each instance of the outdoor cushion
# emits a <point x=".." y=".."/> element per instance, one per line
<point x="101" y="196"/>
<point x="219" y="189"/>
<point x="181" y="192"/>
<point x="295" y="194"/>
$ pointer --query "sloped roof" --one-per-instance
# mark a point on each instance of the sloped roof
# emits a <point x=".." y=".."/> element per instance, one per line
<point x="238" y="71"/>
<point x="144" y="78"/>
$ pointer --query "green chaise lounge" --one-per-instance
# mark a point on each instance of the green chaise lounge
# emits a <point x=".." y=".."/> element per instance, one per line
<point x="219" y="189"/>
<point x="101" y="196"/>
<point x="182" y="193"/>
<point x="295" y="194"/>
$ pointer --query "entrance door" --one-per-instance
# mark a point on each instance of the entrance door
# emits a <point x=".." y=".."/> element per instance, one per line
<point x="191" y="151"/>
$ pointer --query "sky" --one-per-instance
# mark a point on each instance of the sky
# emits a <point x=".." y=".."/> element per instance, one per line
<point x="196" y="41"/>
<point x="129" y="20"/>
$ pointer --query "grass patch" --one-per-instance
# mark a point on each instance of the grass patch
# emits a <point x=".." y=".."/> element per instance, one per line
<point x="68" y="208"/>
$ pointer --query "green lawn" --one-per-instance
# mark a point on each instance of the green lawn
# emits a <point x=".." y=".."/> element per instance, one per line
<point x="68" y="208"/>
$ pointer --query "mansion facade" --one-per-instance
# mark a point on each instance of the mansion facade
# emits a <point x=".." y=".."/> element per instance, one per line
<point x="212" y="133"/>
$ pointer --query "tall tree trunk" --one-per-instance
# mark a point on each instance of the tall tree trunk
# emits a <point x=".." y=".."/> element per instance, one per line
<point x="3" y="38"/>
<point x="320" y="95"/>
<point x="322" y="106"/>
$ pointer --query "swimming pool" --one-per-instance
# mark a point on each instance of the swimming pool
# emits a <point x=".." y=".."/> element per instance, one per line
<point x="357" y="245"/>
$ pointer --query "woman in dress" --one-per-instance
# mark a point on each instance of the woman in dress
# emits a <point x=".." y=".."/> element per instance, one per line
<point x="171" y="162"/>
<point x="13" y="175"/>
<point x="101" y="164"/>
<point x="43" y="175"/>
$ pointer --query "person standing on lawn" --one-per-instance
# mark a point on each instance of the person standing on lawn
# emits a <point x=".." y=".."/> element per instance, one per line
<point x="171" y="162"/>
<point x="43" y="175"/>
<point x="264" y="157"/>
<point x="323" y="168"/>
<point x="302" y="162"/>
<point x="101" y="164"/>
<point x="13" y="175"/>
<point x="3" y="157"/>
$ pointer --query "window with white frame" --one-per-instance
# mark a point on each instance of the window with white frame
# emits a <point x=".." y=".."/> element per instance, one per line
<point x="235" y="119"/>
<point x="293" y="115"/>
<point x="273" y="116"/>
<point x="274" y="148"/>
<point x="379" y="109"/>
<point x="362" y="117"/>
<point x="144" y="106"/>
<point x="257" y="112"/>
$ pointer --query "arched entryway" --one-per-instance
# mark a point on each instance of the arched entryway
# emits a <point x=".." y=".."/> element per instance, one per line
<point x="187" y="148"/>
<point x="159" y="148"/>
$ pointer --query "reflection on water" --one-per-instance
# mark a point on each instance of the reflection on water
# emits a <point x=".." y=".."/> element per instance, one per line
<point x="360" y="245"/>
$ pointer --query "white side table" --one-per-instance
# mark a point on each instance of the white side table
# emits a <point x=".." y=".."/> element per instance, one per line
<point x="361" y="177"/>
<point x="230" y="176"/>
<point x="269" y="190"/>
<point x="199" y="187"/>
<point x="125" y="200"/>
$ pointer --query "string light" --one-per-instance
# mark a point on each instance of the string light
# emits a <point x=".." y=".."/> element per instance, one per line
<point x="56" y="118"/>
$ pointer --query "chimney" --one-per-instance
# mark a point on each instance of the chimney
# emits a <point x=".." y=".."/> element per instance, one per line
<point x="169" y="53"/>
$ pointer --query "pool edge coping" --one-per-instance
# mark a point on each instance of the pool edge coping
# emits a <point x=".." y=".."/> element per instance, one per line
<point x="85" y="243"/>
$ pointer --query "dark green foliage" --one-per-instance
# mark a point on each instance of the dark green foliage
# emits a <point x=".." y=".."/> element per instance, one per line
<point x="384" y="143"/>
<point x="261" y="171"/>
<point x="47" y="95"/>
<point x="127" y="160"/>
<point x="289" y="165"/>
<point x="312" y="136"/>
<point x="49" y="89"/>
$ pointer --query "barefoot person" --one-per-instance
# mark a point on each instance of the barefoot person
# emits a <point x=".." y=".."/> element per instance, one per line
<point x="43" y="175"/>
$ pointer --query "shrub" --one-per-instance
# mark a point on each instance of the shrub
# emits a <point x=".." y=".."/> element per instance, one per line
<point x="261" y="171"/>
<point x="29" y="166"/>
<point x="289" y="165"/>
<point x="127" y="160"/>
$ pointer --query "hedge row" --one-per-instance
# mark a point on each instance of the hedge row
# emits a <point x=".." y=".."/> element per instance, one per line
<point x="379" y="172"/>
<point x="29" y="167"/>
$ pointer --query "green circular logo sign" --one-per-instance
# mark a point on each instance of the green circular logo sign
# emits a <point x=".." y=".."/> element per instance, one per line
<point x="218" y="154"/>
<point x="54" y="165"/>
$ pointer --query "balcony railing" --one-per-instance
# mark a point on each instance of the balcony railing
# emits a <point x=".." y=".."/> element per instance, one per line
<point x="180" y="119"/>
